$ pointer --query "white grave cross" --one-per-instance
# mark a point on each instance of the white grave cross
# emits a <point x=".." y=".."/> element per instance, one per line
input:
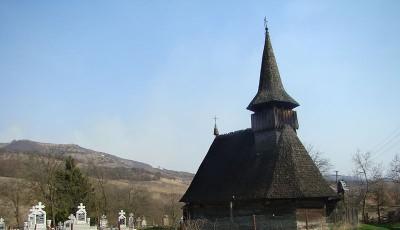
<point x="40" y="217"/>
<point x="81" y="214"/>
<point x="122" y="218"/>
<point x="40" y="214"/>
<point x="131" y="221"/>
<point x="31" y="217"/>
<point x="2" y="225"/>
<point x="103" y="221"/>
<point x="40" y="206"/>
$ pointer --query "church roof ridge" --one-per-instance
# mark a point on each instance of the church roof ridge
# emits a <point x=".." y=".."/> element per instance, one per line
<point x="236" y="132"/>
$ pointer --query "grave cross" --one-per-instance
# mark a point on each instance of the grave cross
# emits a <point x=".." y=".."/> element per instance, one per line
<point x="1" y="220"/>
<point x="71" y="217"/>
<point x="81" y="206"/>
<point x="31" y="210"/>
<point x="121" y="213"/>
<point x="40" y="206"/>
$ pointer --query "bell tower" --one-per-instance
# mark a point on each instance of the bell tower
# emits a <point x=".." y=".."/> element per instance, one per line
<point x="272" y="106"/>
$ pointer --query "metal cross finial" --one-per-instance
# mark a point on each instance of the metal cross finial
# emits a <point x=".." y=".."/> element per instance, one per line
<point x="215" y="120"/>
<point x="216" y="132"/>
<point x="265" y="23"/>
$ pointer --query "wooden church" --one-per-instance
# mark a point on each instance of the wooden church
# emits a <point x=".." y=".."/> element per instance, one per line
<point x="261" y="177"/>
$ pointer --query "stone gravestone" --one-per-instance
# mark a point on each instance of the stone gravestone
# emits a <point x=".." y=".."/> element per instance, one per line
<point x="103" y="222"/>
<point x="68" y="225"/>
<point x="139" y="222"/>
<point x="32" y="218"/>
<point x="2" y="224"/>
<point x="122" y="220"/>
<point x="40" y="217"/>
<point x="81" y="215"/>
<point x="26" y="225"/>
<point x="60" y="226"/>
<point x="79" y="221"/>
<point x="165" y="220"/>
<point x="131" y="221"/>
<point x="144" y="222"/>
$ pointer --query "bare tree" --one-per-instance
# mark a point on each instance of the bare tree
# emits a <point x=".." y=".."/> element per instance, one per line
<point x="394" y="170"/>
<point x="43" y="180"/>
<point x="101" y="196"/>
<point x="378" y="189"/>
<point x="172" y="208"/>
<point x="16" y="195"/>
<point x="363" y="165"/>
<point x="322" y="163"/>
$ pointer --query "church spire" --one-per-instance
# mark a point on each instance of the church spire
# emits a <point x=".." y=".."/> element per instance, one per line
<point x="270" y="88"/>
<point x="216" y="132"/>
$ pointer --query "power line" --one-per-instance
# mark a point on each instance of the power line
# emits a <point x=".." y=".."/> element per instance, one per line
<point x="381" y="144"/>
<point x="386" y="149"/>
<point x="385" y="143"/>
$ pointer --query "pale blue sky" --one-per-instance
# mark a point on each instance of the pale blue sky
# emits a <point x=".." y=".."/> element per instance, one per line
<point x="143" y="79"/>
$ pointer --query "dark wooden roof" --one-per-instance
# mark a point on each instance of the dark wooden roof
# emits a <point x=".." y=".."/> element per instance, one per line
<point x="270" y="88"/>
<point x="232" y="167"/>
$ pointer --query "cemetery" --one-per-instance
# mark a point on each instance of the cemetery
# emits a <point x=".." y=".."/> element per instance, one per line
<point x="36" y="219"/>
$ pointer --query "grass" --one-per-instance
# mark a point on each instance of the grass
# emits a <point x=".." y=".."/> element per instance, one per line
<point x="379" y="226"/>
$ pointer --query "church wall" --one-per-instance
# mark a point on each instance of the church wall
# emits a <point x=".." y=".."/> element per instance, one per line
<point x="311" y="219"/>
<point x="245" y="216"/>
<point x="310" y="214"/>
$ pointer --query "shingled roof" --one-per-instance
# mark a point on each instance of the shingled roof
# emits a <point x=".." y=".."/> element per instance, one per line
<point x="270" y="88"/>
<point x="233" y="167"/>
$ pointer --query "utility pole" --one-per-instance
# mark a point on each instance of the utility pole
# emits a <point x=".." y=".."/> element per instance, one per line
<point x="231" y="208"/>
<point x="336" y="176"/>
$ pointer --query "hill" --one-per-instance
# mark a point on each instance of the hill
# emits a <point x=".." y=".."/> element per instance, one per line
<point x="130" y="185"/>
<point x="85" y="157"/>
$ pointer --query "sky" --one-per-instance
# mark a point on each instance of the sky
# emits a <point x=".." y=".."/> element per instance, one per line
<point x="143" y="79"/>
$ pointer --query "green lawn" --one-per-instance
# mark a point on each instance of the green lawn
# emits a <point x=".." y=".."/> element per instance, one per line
<point x="379" y="226"/>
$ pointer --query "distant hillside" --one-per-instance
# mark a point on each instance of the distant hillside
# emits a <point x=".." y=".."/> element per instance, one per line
<point x="126" y="184"/>
<point x="332" y="178"/>
<point x="86" y="157"/>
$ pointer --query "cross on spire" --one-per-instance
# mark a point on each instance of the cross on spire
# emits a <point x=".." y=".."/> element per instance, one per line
<point x="265" y="23"/>
<point x="216" y="132"/>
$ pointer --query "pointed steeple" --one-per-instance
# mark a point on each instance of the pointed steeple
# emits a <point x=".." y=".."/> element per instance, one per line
<point x="270" y="89"/>
<point x="216" y="132"/>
